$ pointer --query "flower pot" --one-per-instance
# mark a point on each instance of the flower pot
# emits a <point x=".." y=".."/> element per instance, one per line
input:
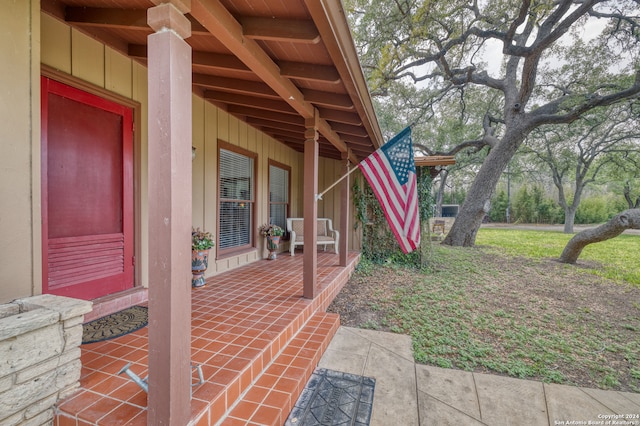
<point x="272" y="245"/>
<point x="199" y="264"/>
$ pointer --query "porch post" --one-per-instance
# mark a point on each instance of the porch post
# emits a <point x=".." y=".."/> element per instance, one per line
<point x="310" y="260"/>
<point x="169" y="74"/>
<point x="345" y="204"/>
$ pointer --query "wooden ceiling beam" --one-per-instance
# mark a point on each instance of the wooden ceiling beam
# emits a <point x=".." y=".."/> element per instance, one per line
<point x="326" y="149"/>
<point x="234" y="85"/>
<point x="258" y="28"/>
<point x="368" y="148"/>
<point x="274" y="29"/>
<point x="298" y="70"/>
<point x="350" y="130"/>
<point x="328" y="99"/>
<point x="204" y="59"/>
<point x="286" y="127"/>
<point x="340" y="116"/>
<point x="266" y="115"/>
<point x="281" y="134"/>
<point x="352" y="140"/>
<point x="115" y="18"/>
<point x="362" y="152"/>
<point x="313" y="72"/>
<point x="131" y="19"/>
<point x="251" y="101"/>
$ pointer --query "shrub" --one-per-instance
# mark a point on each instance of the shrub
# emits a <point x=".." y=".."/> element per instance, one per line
<point x="532" y="205"/>
<point x="597" y="209"/>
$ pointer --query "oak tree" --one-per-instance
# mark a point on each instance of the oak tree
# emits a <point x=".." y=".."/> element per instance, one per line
<point x="578" y="153"/>
<point x="536" y="62"/>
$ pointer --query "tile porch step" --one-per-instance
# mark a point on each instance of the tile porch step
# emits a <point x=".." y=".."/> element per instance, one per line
<point x="272" y="396"/>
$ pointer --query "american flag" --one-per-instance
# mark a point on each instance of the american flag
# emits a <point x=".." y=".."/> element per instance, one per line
<point x="391" y="173"/>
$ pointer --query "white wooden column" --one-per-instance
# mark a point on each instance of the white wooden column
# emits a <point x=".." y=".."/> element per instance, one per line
<point x="169" y="74"/>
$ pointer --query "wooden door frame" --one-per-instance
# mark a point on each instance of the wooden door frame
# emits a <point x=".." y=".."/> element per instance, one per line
<point x="135" y="106"/>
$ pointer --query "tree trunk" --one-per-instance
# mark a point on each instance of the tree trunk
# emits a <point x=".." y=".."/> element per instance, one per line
<point x="628" y="219"/>
<point x="478" y="201"/>
<point x="569" y="219"/>
<point x="627" y="196"/>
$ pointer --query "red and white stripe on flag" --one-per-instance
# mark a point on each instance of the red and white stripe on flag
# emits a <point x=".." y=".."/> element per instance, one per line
<point x="391" y="173"/>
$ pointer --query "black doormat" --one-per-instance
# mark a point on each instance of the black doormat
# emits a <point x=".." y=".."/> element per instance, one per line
<point x="334" y="398"/>
<point x="115" y="325"/>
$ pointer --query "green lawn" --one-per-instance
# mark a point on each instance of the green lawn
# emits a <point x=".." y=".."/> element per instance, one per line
<point x="616" y="259"/>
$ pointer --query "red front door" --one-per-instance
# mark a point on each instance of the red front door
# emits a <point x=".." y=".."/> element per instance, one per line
<point x="87" y="193"/>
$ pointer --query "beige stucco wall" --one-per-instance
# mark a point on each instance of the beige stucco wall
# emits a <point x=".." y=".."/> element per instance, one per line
<point x="32" y="38"/>
<point x="20" y="145"/>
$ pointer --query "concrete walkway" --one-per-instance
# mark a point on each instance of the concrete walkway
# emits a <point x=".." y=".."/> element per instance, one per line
<point x="407" y="393"/>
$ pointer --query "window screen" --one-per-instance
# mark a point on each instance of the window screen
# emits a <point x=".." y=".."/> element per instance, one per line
<point x="278" y="195"/>
<point x="236" y="199"/>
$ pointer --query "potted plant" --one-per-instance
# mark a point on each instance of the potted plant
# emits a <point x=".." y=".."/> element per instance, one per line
<point x="272" y="233"/>
<point x="201" y="243"/>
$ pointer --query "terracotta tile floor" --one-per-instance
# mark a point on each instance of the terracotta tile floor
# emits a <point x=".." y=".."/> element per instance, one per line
<point x="244" y="322"/>
<point x="271" y="398"/>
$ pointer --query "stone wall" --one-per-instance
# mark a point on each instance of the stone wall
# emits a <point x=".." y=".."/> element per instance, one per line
<point x="40" y="341"/>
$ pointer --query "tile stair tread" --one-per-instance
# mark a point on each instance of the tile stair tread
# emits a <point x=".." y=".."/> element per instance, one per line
<point x="272" y="396"/>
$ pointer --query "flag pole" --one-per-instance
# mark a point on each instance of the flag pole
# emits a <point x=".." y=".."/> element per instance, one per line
<point x="319" y="196"/>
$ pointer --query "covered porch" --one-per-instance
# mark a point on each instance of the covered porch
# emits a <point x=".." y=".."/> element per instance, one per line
<point x="255" y="336"/>
<point x="226" y="91"/>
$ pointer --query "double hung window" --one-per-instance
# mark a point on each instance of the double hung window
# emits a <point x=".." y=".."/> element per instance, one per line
<point x="236" y="199"/>
<point x="279" y="193"/>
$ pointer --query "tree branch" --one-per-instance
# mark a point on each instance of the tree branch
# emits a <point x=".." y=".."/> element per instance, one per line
<point x="474" y="146"/>
<point x="548" y="114"/>
<point x="524" y="11"/>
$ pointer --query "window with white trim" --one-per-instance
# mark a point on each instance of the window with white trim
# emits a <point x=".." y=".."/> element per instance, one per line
<point x="236" y="198"/>
<point x="279" y="193"/>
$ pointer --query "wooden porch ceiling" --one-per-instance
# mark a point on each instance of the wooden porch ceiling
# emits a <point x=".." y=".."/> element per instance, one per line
<point x="435" y="160"/>
<point x="272" y="63"/>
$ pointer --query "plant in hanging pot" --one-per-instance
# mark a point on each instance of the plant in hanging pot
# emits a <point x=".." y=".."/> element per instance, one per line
<point x="272" y="233"/>
<point x="201" y="243"/>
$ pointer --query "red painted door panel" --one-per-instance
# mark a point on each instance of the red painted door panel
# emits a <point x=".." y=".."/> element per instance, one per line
<point x="87" y="185"/>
